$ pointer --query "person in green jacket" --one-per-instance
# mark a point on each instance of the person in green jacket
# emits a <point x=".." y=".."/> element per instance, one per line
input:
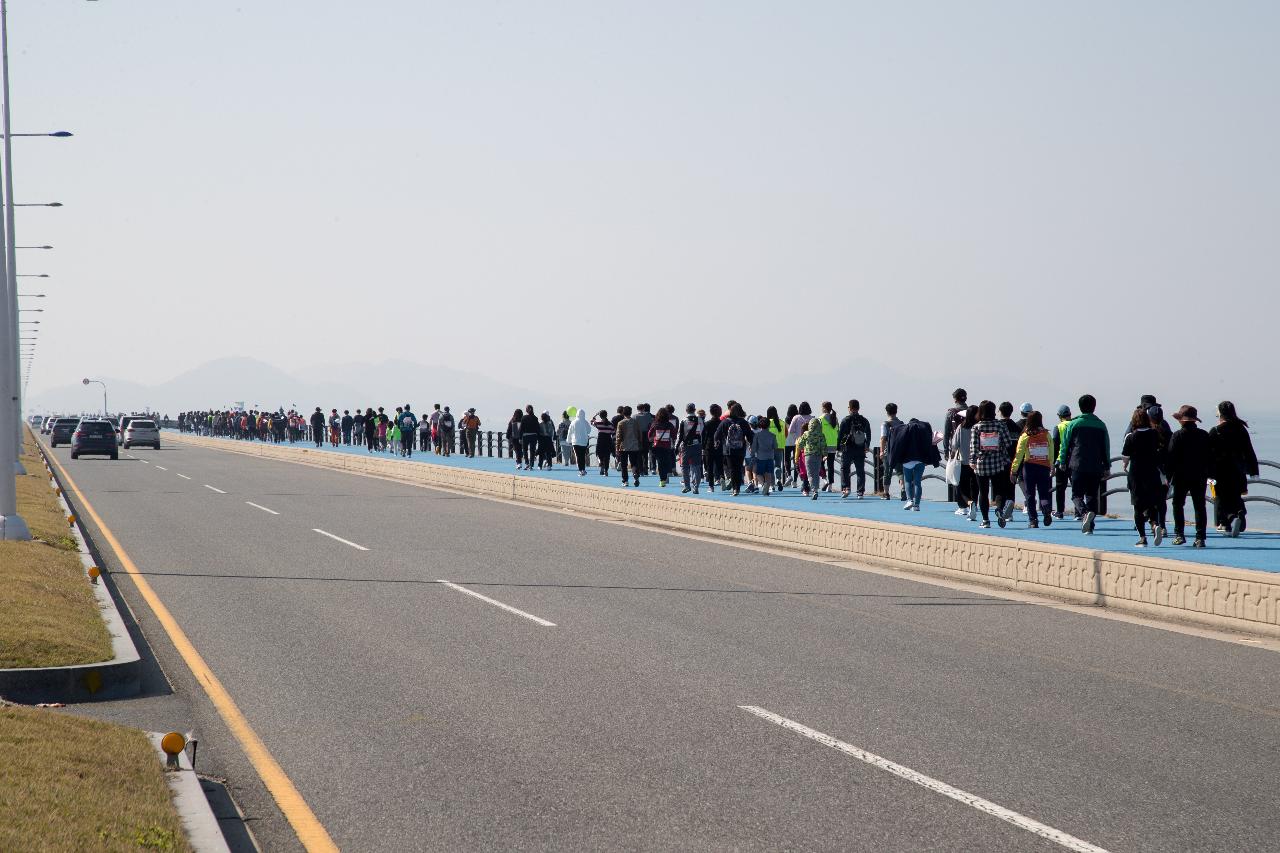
<point x="1085" y="455"/>
<point x="831" y="432"/>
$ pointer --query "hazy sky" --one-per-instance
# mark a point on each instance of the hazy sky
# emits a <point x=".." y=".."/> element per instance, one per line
<point x="608" y="193"/>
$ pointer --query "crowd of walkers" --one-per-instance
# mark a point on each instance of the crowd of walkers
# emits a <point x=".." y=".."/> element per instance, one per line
<point x="988" y="454"/>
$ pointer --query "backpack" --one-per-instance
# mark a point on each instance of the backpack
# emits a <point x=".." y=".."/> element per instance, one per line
<point x="733" y="437"/>
<point x="446" y="421"/>
<point x="691" y="432"/>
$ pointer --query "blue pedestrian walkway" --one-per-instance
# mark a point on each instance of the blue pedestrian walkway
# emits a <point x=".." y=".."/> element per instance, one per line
<point x="1252" y="550"/>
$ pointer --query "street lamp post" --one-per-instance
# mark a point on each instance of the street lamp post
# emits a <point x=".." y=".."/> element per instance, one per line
<point x="12" y="525"/>
<point x="105" y="410"/>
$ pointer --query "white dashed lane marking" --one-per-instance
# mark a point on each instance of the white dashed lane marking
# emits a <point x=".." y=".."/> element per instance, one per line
<point x="339" y="539"/>
<point x="1021" y="821"/>
<point x="507" y="607"/>
<point x="261" y="507"/>
<point x="214" y="489"/>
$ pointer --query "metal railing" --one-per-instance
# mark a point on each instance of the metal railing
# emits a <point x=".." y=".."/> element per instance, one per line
<point x="1252" y="481"/>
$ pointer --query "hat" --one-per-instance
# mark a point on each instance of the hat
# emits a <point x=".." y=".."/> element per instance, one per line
<point x="1027" y="408"/>
<point x="753" y="420"/>
<point x="1064" y="410"/>
<point x="1155" y="413"/>
<point x="1186" y="413"/>
<point x="691" y="408"/>
<point x="1147" y="401"/>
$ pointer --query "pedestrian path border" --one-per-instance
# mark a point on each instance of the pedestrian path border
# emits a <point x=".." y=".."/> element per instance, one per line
<point x="1216" y="596"/>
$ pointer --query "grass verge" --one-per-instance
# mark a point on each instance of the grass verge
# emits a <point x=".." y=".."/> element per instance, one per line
<point x="48" y="614"/>
<point x="68" y="783"/>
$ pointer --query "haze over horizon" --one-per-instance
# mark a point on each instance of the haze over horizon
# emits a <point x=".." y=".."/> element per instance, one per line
<point x="619" y="198"/>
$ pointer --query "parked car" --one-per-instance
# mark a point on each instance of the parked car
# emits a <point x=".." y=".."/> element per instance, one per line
<point x="141" y="432"/>
<point x="60" y="432"/>
<point x="97" y="438"/>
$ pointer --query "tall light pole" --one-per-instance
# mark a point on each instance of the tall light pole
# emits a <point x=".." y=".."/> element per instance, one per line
<point x="11" y="524"/>
<point x="106" y="413"/>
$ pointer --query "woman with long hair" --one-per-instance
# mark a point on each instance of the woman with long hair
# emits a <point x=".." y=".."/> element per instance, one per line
<point x="779" y="431"/>
<point x="990" y="449"/>
<point x="513" y="437"/>
<point x="1033" y="457"/>
<point x="1143" y="454"/>
<point x="604" y="440"/>
<point x="1232" y="462"/>
<point x="789" y="447"/>
<point x="967" y="488"/>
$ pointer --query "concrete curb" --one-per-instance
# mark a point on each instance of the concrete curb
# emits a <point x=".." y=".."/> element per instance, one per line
<point x="197" y="816"/>
<point x="1219" y="597"/>
<point x="117" y="678"/>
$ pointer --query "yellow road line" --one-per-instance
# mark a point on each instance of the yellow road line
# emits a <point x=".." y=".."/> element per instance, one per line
<point x="310" y="832"/>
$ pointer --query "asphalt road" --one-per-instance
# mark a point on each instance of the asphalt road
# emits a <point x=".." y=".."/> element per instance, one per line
<point x="411" y="715"/>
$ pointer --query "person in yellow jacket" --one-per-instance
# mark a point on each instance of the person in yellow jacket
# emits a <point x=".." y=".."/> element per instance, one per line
<point x="779" y="430"/>
<point x="830" y="432"/>
<point x="1034" y="458"/>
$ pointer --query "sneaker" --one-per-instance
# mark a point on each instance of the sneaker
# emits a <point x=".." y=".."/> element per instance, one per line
<point x="907" y="505"/>
<point x="861" y="495"/>
<point x="637" y="482"/>
<point x="1159" y="537"/>
<point x="1141" y="543"/>
<point x="984" y="524"/>
<point x="962" y="511"/>
<point x="814" y="497"/>
<point x="685" y="490"/>
<point x="1058" y="516"/>
<point x="735" y="493"/>
<point x="1179" y="540"/>
<point x="1048" y="520"/>
<point x="1199" y="543"/>
<point x="625" y="484"/>
<point x="695" y="490"/>
<point x="886" y="496"/>
<point x="1237" y="525"/>
<point x="1035" y="525"/>
<point x="916" y="507"/>
<point x="662" y="483"/>
<point x="844" y="494"/>
<point x="1087" y="524"/>
<point x="1001" y="520"/>
<point x="1008" y="510"/>
<point x="973" y="512"/>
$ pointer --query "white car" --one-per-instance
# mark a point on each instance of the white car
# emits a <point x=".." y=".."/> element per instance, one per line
<point x="142" y="432"/>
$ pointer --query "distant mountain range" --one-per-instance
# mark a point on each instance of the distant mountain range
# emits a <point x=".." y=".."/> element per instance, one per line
<point x="248" y="382"/>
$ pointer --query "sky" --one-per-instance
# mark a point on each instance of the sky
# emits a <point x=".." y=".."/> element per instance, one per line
<point x="632" y="195"/>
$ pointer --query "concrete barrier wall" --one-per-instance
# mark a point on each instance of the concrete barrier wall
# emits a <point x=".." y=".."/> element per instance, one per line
<point x="1214" y="596"/>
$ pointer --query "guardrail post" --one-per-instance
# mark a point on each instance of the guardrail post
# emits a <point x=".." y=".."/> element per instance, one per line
<point x="490" y="451"/>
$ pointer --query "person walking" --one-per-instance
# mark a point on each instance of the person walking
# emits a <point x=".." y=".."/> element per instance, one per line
<point x="644" y="419"/>
<point x="513" y="438"/>
<point x="1187" y="465"/>
<point x="604" y="440"/>
<point x="408" y="429"/>
<point x="764" y="451"/>
<point x="712" y="455"/>
<point x="627" y="440"/>
<point x="662" y="439"/>
<point x="690" y="444"/>
<point x="317" y="427"/>
<point x="811" y="451"/>
<point x="1086" y="456"/>
<point x="779" y="431"/>
<point x="853" y="439"/>
<point x="966" y="490"/>
<point x="546" y="441"/>
<point x="529" y="436"/>
<point x="890" y="423"/>
<point x="445" y="429"/>
<point x="1034" y="458"/>
<point x="1060" y="478"/>
<point x="471" y="422"/>
<point x="830" y="429"/>
<point x="370" y="423"/>
<point x="953" y="417"/>
<point x="789" y="475"/>
<point x="1232" y="462"/>
<point x="1143" y="454"/>
<point x="348" y="423"/>
<point x="564" y="448"/>
<point x="990" y="454"/>
<point x="733" y="435"/>
<point x="579" y="436"/>
<point x="911" y="448"/>
<point x="797" y="425"/>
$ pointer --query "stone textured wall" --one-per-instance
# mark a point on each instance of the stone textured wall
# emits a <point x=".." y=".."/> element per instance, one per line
<point x="1215" y="596"/>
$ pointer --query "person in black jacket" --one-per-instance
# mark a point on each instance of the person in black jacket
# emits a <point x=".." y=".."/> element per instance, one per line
<point x="911" y="447"/>
<point x="1232" y="462"/>
<point x="853" y="439"/>
<point x="712" y="457"/>
<point x="732" y="437"/>
<point x="529" y="435"/>
<point x="1143" y="453"/>
<point x="1187" y="464"/>
<point x="317" y="426"/>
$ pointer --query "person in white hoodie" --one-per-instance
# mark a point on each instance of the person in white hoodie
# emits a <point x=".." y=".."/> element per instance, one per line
<point x="580" y="437"/>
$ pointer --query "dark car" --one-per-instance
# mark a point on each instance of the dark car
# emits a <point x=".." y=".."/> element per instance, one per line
<point x="94" y="437"/>
<point x="60" y="432"/>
